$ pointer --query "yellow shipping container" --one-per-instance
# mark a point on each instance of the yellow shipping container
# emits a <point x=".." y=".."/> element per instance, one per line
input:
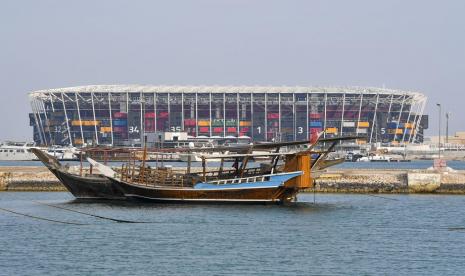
<point x="396" y="131"/>
<point x="331" y="130"/>
<point x="75" y="123"/>
<point x="105" y="129"/>
<point x="408" y="125"/>
<point x="204" y="123"/>
<point x="85" y="123"/>
<point x="245" y="123"/>
<point x="363" y="124"/>
<point x="361" y="141"/>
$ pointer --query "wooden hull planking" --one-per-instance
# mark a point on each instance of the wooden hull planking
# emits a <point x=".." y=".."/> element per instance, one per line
<point x="179" y="194"/>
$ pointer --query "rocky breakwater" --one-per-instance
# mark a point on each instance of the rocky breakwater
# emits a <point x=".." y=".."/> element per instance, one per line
<point x="362" y="181"/>
<point x="391" y="181"/>
<point x="28" y="179"/>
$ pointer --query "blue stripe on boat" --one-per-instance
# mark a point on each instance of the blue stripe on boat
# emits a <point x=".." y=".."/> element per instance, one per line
<point x="275" y="180"/>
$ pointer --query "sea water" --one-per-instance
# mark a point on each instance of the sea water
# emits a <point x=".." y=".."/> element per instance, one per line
<point x="322" y="234"/>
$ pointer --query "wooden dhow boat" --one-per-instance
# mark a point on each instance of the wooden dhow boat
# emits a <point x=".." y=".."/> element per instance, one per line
<point x="89" y="186"/>
<point x="155" y="185"/>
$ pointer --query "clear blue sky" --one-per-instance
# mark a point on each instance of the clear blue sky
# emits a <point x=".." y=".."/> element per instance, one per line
<point x="412" y="45"/>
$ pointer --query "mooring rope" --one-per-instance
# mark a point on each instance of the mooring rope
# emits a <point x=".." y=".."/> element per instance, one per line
<point x="388" y="198"/>
<point x="41" y="218"/>
<point x="92" y="215"/>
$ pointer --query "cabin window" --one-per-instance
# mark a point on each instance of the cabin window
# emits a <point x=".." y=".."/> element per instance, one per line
<point x="18" y="150"/>
<point x="11" y="150"/>
<point x="1" y="150"/>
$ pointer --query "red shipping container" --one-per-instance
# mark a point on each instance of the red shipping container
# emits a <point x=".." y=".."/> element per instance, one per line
<point x="314" y="115"/>
<point x="273" y="115"/>
<point x="120" y="115"/>
<point x="231" y="129"/>
<point x="150" y="115"/>
<point x="244" y="129"/>
<point x="204" y="129"/>
<point x="119" y="129"/>
<point x="218" y="129"/>
<point x="163" y="114"/>
<point x="189" y="122"/>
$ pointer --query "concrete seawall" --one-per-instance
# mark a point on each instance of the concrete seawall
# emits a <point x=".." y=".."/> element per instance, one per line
<point x="333" y="181"/>
<point x="391" y="181"/>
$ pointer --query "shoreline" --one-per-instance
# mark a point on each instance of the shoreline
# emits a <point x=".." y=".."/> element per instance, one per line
<point x="355" y="181"/>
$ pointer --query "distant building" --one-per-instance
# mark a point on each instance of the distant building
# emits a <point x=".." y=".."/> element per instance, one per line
<point x="457" y="139"/>
<point x="122" y="114"/>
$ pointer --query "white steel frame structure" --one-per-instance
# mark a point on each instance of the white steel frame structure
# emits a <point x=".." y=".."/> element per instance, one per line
<point x="80" y="115"/>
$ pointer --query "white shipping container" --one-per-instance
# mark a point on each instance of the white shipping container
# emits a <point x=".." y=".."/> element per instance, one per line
<point x="348" y="124"/>
<point x="362" y="130"/>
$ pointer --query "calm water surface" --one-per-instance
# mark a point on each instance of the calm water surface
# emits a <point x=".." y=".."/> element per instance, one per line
<point x="340" y="234"/>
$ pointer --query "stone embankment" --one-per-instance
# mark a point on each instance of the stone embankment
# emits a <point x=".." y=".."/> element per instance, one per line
<point x="333" y="181"/>
<point x="28" y="179"/>
<point x="391" y="181"/>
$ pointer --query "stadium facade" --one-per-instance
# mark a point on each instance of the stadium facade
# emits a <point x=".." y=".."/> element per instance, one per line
<point x="121" y="115"/>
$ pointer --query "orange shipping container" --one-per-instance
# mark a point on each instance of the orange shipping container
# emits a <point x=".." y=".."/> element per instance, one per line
<point x="245" y="123"/>
<point x="363" y="124"/>
<point x="105" y="129"/>
<point x="204" y="123"/>
<point x="331" y="130"/>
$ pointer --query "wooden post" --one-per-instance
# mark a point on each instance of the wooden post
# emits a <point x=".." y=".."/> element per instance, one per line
<point x="189" y="163"/>
<point x="244" y="165"/>
<point x="144" y="156"/>
<point x="80" y="168"/>
<point x="221" y="167"/>
<point x="204" y="169"/>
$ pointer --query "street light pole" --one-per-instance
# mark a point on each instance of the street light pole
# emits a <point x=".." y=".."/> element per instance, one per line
<point x="439" y="141"/>
<point x="447" y="127"/>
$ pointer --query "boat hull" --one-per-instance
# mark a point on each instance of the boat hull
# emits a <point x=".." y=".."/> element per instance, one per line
<point x="89" y="187"/>
<point x="175" y="194"/>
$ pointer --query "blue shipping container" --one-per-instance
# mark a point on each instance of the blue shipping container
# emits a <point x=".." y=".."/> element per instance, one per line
<point x="120" y="122"/>
<point x="316" y="124"/>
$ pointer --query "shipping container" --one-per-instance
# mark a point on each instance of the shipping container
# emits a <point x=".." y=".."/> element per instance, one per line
<point x="273" y="116"/>
<point x="118" y="129"/>
<point x="316" y="124"/>
<point x="120" y="115"/>
<point x="189" y="122"/>
<point x="163" y="114"/>
<point x="348" y="124"/>
<point x="217" y="122"/>
<point x="204" y="129"/>
<point x="85" y="123"/>
<point x="217" y="129"/>
<point x="245" y="123"/>
<point x="120" y="122"/>
<point x="150" y="115"/>
<point x="231" y="129"/>
<point x="331" y="130"/>
<point x="363" y="124"/>
<point x="105" y="129"/>
<point x="204" y="123"/>
<point x="231" y="122"/>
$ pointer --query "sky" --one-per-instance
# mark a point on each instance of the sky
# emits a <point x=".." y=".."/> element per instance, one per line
<point x="415" y="45"/>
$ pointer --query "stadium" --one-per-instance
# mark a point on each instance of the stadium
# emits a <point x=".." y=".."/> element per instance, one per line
<point x="121" y="115"/>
